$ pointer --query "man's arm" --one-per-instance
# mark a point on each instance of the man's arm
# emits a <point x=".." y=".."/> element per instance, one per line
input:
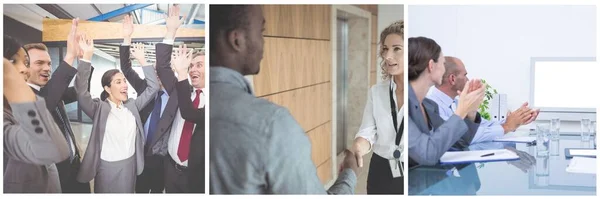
<point x="186" y="108"/>
<point x="56" y="88"/>
<point x="289" y="167"/>
<point x="488" y="131"/>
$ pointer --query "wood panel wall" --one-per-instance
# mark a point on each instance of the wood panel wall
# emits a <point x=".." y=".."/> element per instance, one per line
<point x="58" y="30"/>
<point x="296" y="73"/>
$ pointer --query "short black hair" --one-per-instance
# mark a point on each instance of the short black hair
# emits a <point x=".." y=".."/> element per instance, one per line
<point x="226" y="18"/>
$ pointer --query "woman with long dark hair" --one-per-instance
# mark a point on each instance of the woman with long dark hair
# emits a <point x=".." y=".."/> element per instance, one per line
<point x="429" y="136"/>
<point x="33" y="143"/>
<point x="115" y="153"/>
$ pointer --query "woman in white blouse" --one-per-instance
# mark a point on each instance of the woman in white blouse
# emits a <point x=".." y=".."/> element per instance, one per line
<point x="114" y="155"/>
<point x="382" y="126"/>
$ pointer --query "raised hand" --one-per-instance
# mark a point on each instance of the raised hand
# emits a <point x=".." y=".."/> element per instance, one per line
<point x="139" y="53"/>
<point x="87" y="46"/>
<point x="127" y="29"/>
<point x="72" y="43"/>
<point x="183" y="58"/>
<point x="173" y="21"/>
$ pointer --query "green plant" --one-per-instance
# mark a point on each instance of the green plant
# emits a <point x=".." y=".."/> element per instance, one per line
<point x="484" y="106"/>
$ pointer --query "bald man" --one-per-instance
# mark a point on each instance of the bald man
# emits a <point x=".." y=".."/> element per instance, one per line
<point x="454" y="80"/>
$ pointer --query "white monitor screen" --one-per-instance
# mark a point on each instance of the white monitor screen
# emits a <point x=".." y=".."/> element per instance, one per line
<point x="565" y="84"/>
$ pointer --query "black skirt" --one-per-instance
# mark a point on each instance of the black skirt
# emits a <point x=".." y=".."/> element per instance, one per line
<point x="380" y="179"/>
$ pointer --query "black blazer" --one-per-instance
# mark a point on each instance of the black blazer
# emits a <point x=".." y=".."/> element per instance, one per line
<point x="181" y="91"/>
<point x="135" y="80"/>
<point x="57" y="93"/>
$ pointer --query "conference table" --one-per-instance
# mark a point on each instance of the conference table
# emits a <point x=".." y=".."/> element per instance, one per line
<point x="530" y="175"/>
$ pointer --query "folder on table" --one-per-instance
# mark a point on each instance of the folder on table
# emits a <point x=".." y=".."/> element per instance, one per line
<point x="580" y="152"/>
<point x="464" y="157"/>
<point x="582" y="165"/>
<point x="516" y="139"/>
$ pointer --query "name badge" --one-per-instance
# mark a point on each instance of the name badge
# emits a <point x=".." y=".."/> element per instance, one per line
<point x="396" y="167"/>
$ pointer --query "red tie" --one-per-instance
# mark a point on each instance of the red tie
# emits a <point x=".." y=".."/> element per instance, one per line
<point x="186" y="135"/>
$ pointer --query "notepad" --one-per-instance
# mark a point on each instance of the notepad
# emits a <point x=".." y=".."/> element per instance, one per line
<point x="516" y="139"/>
<point x="572" y="152"/>
<point x="461" y="157"/>
<point x="582" y="165"/>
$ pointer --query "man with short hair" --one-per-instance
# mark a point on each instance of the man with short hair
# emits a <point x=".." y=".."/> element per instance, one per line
<point x="56" y="93"/>
<point x="256" y="146"/>
<point x="453" y="81"/>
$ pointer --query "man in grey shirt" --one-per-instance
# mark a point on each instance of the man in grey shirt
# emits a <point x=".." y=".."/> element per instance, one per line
<point x="256" y="147"/>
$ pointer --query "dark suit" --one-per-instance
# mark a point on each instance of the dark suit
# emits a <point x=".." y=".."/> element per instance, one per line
<point x="56" y="93"/>
<point x="196" y="159"/>
<point x="152" y="178"/>
<point x="176" y="179"/>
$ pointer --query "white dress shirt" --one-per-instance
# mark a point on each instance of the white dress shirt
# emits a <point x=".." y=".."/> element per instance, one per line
<point x="178" y="123"/>
<point x="487" y="131"/>
<point x="377" y="124"/>
<point x="119" y="134"/>
<point x="70" y="140"/>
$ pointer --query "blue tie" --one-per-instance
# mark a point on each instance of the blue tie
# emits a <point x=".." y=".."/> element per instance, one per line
<point x="155" y="116"/>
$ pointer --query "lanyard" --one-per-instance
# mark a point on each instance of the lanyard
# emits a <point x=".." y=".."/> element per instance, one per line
<point x="395" y="119"/>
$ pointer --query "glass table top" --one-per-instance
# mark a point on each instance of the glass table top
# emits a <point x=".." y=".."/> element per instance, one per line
<point x="530" y="175"/>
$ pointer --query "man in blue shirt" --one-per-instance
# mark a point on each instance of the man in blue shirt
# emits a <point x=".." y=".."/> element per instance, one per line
<point x="453" y="81"/>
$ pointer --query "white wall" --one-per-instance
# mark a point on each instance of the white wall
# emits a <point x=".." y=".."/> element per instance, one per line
<point x="497" y="42"/>
<point x="387" y="15"/>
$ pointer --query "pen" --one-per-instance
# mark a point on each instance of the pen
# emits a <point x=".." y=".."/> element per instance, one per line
<point x="486" y="155"/>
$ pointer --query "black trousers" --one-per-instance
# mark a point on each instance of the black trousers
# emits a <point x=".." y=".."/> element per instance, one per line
<point x="380" y="179"/>
<point x="152" y="179"/>
<point x="176" y="177"/>
<point x="67" y="172"/>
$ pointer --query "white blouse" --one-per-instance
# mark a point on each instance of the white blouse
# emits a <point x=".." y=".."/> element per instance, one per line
<point x="377" y="124"/>
<point x="119" y="134"/>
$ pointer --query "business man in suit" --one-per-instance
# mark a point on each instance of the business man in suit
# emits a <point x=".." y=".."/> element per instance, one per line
<point x="454" y="79"/>
<point x="178" y="135"/>
<point x="192" y="65"/>
<point x="56" y="93"/>
<point x="152" y="178"/>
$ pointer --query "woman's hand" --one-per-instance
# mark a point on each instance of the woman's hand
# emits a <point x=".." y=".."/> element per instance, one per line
<point x="15" y="88"/>
<point x="469" y="101"/>
<point x="87" y="47"/>
<point x="139" y="53"/>
<point x="360" y="147"/>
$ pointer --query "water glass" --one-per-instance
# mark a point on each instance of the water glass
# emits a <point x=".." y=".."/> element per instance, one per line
<point x="585" y="130"/>
<point x="542" y="140"/>
<point x="542" y="172"/>
<point x="554" y="147"/>
<point x="555" y="128"/>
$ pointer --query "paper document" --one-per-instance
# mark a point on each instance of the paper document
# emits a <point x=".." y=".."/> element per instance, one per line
<point x="458" y="157"/>
<point x="516" y="139"/>
<point x="583" y="152"/>
<point x="582" y="165"/>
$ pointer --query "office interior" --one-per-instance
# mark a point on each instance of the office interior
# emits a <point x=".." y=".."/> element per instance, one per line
<point x="319" y="62"/>
<point x="544" y="55"/>
<point x="51" y="23"/>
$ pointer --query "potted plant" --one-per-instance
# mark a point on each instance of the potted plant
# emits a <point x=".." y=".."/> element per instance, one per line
<point x="484" y="106"/>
